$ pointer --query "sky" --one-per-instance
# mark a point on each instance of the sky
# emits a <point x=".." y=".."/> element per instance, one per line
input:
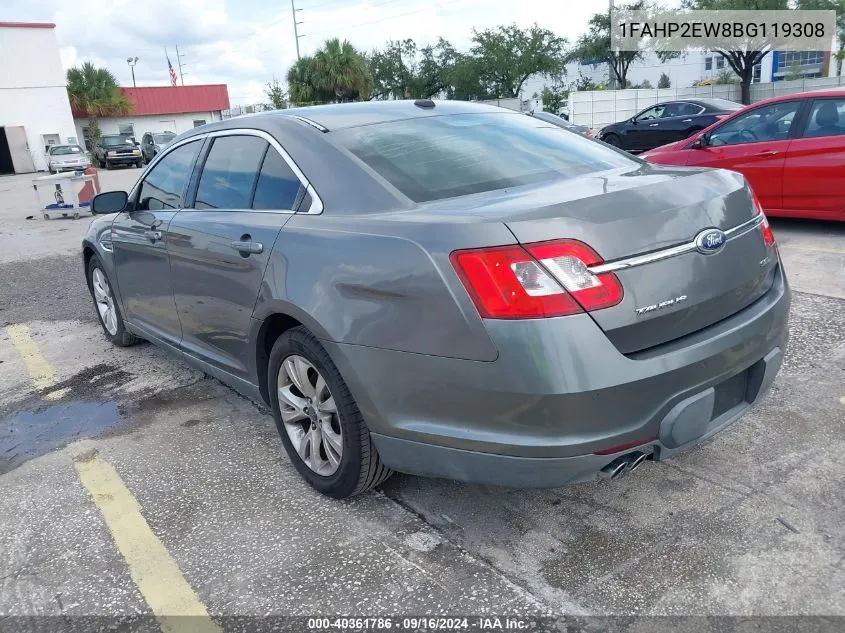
<point x="245" y="43"/>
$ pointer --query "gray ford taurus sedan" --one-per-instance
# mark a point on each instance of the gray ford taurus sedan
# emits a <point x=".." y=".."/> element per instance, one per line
<point x="447" y="289"/>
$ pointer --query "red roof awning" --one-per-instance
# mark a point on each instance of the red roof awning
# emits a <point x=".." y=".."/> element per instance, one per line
<point x="156" y="100"/>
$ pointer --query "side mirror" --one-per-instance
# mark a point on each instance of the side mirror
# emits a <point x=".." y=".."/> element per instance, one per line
<point x="700" y="142"/>
<point x="109" y="202"/>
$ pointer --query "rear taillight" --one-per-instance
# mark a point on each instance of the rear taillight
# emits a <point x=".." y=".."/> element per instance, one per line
<point x="543" y="279"/>
<point x="768" y="235"/>
<point x="589" y="133"/>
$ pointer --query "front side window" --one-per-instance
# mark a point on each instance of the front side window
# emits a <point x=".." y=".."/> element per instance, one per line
<point x="432" y="158"/>
<point x="164" y="186"/>
<point x="827" y="118"/>
<point x="229" y="173"/>
<point x="654" y="112"/>
<point x="766" y="123"/>
<point x="278" y="187"/>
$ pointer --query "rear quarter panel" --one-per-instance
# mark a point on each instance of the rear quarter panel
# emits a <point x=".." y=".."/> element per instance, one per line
<point x="379" y="283"/>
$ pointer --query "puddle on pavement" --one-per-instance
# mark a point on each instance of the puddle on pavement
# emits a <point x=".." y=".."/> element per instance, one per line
<point x="28" y="434"/>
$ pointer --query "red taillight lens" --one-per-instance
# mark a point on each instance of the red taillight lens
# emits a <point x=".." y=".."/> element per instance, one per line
<point x="505" y="282"/>
<point x="509" y="282"/>
<point x="589" y="133"/>
<point x="568" y="261"/>
<point x="768" y="235"/>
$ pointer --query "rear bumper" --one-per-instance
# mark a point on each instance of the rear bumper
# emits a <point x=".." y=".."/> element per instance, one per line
<point x="559" y="392"/>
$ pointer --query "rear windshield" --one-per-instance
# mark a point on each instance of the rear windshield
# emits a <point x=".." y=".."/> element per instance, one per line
<point x="438" y="157"/>
<point x="163" y="138"/>
<point x="722" y="104"/>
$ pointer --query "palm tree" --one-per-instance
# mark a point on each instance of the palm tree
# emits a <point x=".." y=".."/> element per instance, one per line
<point x="96" y="92"/>
<point x="300" y="83"/>
<point x="340" y="70"/>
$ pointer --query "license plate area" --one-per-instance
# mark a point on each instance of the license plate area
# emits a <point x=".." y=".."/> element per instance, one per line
<point x="730" y="393"/>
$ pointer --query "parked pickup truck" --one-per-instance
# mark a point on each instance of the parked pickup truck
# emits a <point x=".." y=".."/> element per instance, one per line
<point x="117" y="149"/>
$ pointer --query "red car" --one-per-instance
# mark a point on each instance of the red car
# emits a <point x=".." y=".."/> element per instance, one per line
<point x="790" y="148"/>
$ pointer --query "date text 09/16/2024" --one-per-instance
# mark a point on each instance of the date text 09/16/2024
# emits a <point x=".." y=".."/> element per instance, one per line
<point x="422" y="623"/>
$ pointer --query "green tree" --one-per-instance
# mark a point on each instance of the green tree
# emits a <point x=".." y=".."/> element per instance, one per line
<point x="276" y="94"/>
<point x="594" y="46"/>
<point x="554" y="98"/>
<point x="96" y="92"/>
<point x="339" y="69"/>
<point x="830" y="5"/>
<point x="742" y="62"/>
<point x="337" y="72"/>
<point x="644" y="85"/>
<point x="725" y="76"/>
<point x="301" y="88"/>
<point x="507" y="55"/>
<point x="401" y="71"/>
<point x="664" y="81"/>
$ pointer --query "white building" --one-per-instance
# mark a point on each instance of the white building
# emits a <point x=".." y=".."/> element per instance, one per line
<point x="34" y="107"/>
<point x="162" y="109"/>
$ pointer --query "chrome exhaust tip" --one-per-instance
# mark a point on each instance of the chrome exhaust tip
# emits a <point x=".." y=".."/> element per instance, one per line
<point x="638" y="460"/>
<point x="614" y="469"/>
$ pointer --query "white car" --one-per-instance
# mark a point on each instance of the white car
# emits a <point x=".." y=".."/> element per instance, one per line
<point x="66" y="158"/>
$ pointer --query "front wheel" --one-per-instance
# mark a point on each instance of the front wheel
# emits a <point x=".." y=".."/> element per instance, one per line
<point x="106" y="305"/>
<point x="612" y="139"/>
<point x="321" y="427"/>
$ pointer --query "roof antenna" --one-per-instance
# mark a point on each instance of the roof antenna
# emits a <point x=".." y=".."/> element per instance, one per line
<point x="424" y="103"/>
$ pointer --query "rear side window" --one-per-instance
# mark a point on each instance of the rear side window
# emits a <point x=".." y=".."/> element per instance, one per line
<point x="438" y="157"/>
<point x="229" y="173"/>
<point x="164" y="186"/>
<point x="278" y="187"/>
<point x="827" y="118"/>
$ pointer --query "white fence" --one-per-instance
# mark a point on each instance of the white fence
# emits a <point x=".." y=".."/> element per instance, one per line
<point x="597" y="108"/>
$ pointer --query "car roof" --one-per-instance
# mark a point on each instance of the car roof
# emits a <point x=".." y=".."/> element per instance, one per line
<point x="338" y="116"/>
<point x="825" y="92"/>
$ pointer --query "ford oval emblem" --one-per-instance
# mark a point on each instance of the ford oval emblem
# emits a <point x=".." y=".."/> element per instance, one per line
<point x="710" y="241"/>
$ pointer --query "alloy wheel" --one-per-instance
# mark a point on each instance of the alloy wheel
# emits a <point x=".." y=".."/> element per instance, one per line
<point x="309" y="414"/>
<point x="104" y="300"/>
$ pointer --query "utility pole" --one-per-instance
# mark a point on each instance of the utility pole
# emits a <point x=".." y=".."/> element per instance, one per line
<point x="179" y="57"/>
<point x="611" y="74"/>
<point x="296" y="34"/>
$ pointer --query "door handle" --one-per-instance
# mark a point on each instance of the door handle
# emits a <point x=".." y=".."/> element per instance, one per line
<point x="248" y="247"/>
<point x="771" y="152"/>
<point x="686" y="121"/>
<point x="153" y="236"/>
<point x="654" y="124"/>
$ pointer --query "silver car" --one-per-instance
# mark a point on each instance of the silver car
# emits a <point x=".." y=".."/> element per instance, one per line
<point x="66" y="158"/>
<point x="447" y="289"/>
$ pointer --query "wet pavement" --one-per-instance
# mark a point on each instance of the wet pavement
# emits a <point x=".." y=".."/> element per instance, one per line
<point x="751" y="523"/>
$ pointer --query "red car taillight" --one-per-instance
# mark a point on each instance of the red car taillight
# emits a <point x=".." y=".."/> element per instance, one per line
<point x="768" y="235"/>
<point x="544" y="279"/>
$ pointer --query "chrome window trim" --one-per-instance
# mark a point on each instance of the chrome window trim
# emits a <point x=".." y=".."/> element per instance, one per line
<point x="674" y="251"/>
<point x="316" y="202"/>
<point x="308" y="121"/>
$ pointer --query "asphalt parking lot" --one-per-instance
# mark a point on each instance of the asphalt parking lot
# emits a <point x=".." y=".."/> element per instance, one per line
<point x="130" y="483"/>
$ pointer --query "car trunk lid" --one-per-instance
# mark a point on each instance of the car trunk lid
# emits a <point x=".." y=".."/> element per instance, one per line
<point x="648" y="214"/>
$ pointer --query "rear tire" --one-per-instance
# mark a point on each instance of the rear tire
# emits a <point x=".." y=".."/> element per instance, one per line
<point x="322" y="414"/>
<point x="105" y="305"/>
<point x="612" y="139"/>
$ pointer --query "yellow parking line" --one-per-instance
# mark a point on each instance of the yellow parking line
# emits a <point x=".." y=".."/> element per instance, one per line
<point x="152" y="568"/>
<point x="41" y="372"/>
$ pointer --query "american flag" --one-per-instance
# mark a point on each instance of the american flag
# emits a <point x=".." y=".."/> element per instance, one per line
<point x="172" y="72"/>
